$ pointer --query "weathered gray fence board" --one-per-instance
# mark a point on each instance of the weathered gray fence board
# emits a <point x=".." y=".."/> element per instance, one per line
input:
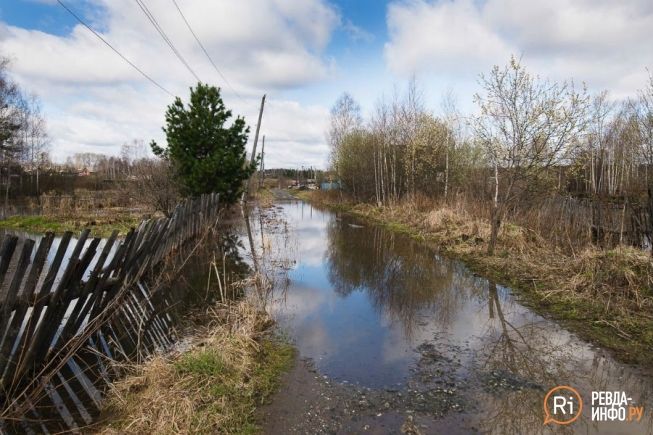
<point x="60" y="322"/>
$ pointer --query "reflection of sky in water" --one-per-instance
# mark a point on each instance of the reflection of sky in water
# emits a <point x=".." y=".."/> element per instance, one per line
<point x="361" y="300"/>
<point x="344" y="335"/>
<point x="352" y="336"/>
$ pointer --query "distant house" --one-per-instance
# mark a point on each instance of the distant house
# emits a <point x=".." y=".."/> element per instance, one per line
<point x="330" y="185"/>
<point x="85" y="172"/>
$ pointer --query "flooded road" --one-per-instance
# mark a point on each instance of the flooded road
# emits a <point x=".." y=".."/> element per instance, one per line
<point x="392" y="337"/>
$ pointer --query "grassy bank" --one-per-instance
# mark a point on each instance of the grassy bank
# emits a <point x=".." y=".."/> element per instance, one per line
<point x="231" y="367"/>
<point x="264" y="197"/>
<point x="604" y="295"/>
<point x="99" y="226"/>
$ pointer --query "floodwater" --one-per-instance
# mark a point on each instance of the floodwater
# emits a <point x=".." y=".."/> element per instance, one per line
<point x="378" y="312"/>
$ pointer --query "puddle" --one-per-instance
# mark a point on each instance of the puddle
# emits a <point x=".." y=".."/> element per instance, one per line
<point x="420" y="334"/>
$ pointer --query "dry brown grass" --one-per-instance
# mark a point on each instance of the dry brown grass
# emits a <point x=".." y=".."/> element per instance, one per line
<point x="456" y="224"/>
<point x="621" y="274"/>
<point x="213" y="386"/>
<point x="264" y="197"/>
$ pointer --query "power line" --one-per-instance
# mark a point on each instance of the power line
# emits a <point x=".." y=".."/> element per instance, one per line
<point x="154" y="82"/>
<point x="168" y="41"/>
<point x="204" y="50"/>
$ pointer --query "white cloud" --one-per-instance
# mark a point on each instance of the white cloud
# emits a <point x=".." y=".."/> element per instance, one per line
<point x="446" y="36"/>
<point x="94" y="101"/>
<point x="357" y="33"/>
<point x="602" y="42"/>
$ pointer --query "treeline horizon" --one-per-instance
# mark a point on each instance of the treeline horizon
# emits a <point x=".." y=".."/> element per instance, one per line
<point x="533" y="144"/>
<point x="26" y="166"/>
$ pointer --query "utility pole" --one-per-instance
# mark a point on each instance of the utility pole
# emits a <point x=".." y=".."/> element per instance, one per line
<point x="253" y="157"/>
<point x="262" y="170"/>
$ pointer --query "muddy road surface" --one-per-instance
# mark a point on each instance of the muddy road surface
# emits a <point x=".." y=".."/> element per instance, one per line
<point x="394" y="338"/>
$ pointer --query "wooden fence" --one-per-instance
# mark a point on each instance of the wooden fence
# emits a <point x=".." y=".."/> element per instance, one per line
<point x="67" y="308"/>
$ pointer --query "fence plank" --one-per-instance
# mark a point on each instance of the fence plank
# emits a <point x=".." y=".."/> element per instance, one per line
<point x="21" y="310"/>
<point x="110" y="310"/>
<point x="41" y="298"/>
<point x="6" y="252"/>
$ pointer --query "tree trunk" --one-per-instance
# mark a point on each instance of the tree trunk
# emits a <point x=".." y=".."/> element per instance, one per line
<point x="446" y="174"/>
<point x="495" y="218"/>
<point x="7" y="189"/>
<point x="376" y="179"/>
<point x="495" y="224"/>
<point x="650" y="219"/>
<point x="384" y="172"/>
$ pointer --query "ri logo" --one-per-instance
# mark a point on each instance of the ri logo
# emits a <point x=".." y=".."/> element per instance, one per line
<point x="562" y="405"/>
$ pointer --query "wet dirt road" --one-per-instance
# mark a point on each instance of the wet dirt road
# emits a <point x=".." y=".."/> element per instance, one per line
<point x="394" y="338"/>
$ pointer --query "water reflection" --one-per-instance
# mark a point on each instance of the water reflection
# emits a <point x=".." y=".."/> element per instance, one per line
<point x="375" y="308"/>
<point x="402" y="279"/>
<point x="518" y="363"/>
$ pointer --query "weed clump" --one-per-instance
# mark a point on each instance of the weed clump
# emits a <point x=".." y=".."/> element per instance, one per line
<point x="231" y="367"/>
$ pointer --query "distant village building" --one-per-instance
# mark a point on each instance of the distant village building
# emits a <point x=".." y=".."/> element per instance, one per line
<point x="85" y="172"/>
<point x="330" y="185"/>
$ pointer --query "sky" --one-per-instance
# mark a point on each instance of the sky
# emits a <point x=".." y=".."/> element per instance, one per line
<point x="303" y="54"/>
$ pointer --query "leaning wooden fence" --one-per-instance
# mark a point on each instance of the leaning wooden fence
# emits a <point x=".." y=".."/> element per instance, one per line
<point x="67" y="308"/>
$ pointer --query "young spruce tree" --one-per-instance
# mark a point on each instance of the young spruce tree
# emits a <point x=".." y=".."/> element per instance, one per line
<point x="208" y="155"/>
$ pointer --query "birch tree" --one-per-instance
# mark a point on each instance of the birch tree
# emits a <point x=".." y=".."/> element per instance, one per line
<point x="645" y="127"/>
<point x="645" y="122"/>
<point x="525" y="125"/>
<point x="345" y="119"/>
<point x="23" y="136"/>
<point x="452" y="119"/>
<point x="35" y="146"/>
<point x="11" y="116"/>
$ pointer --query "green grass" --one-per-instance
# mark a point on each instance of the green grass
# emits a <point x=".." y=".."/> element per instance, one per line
<point x="213" y="388"/>
<point x="102" y="227"/>
<point x="208" y="362"/>
<point x="278" y="357"/>
<point x="230" y="392"/>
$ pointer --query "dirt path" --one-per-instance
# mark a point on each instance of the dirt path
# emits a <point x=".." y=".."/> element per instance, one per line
<point x="282" y="195"/>
<point x="312" y="404"/>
